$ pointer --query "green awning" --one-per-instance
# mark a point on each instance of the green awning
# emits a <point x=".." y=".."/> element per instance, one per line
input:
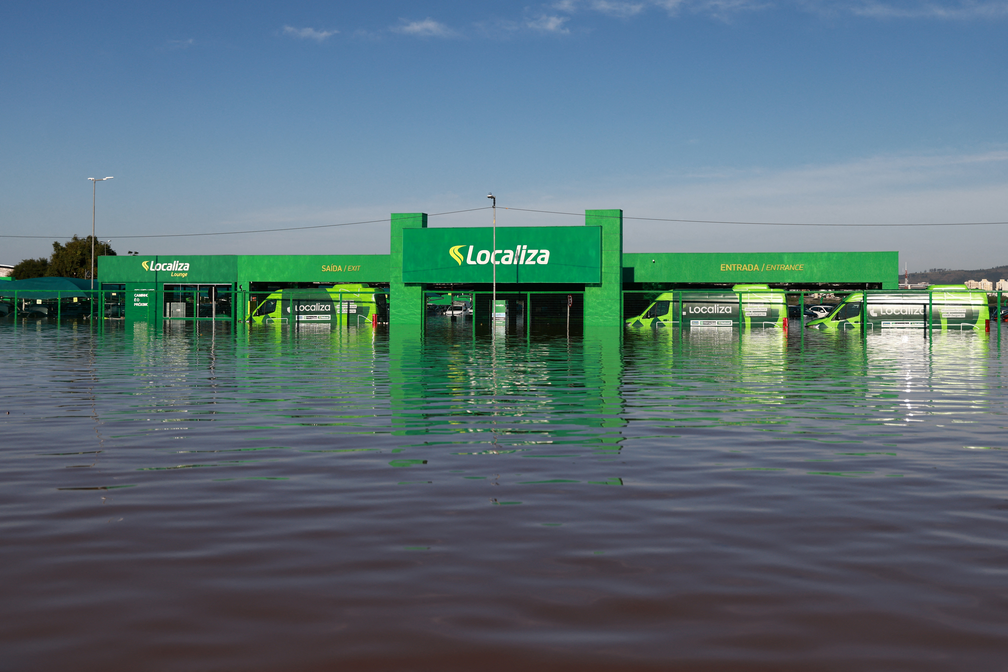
<point x="44" y="288"/>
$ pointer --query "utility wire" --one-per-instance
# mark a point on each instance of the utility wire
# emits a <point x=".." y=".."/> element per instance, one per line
<point x="543" y="212"/>
<point x="722" y="221"/>
<point x="235" y="233"/>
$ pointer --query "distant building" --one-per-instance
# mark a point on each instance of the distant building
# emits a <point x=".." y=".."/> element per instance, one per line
<point x="6" y="271"/>
<point x="984" y="284"/>
<point x="1002" y="285"/>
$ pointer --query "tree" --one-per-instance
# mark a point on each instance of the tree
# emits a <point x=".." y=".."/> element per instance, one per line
<point x="31" y="268"/>
<point x="73" y="260"/>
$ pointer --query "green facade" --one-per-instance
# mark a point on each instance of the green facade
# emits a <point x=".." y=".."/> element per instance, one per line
<point x="243" y="269"/>
<point x="585" y="259"/>
<point x="774" y="268"/>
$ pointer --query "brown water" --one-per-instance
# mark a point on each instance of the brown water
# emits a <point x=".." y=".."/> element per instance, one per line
<point x="270" y="500"/>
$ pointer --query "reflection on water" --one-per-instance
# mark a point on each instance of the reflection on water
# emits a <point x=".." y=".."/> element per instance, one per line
<point x="193" y="497"/>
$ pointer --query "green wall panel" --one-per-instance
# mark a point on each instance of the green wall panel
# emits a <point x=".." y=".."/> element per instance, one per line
<point x="462" y="255"/>
<point x="764" y="267"/>
<point x="187" y="269"/>
<point x="334" y="268"/>
<point x="168" y="269"/>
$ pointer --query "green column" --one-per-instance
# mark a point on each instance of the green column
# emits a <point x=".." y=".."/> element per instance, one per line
<point x="405" y="301"/>
<point x="603" y="303"/>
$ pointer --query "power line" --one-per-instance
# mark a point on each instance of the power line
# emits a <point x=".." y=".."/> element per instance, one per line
<point x="723" y="221"/>
<point x="544" y="212"/>
<point x="247" y="231"/>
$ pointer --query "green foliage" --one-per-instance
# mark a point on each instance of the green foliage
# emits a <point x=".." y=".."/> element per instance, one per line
<point x="72" y="260"/>
<point x="31" y="268"/>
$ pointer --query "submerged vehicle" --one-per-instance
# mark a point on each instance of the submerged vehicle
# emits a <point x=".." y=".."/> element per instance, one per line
<point x="816" y="312"/>
<point x="339" y="304"/>
<point x="954" y="307"/>
<point x="743" y="306"/>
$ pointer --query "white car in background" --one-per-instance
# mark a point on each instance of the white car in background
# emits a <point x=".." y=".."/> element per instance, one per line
<point x="818" y="312"/>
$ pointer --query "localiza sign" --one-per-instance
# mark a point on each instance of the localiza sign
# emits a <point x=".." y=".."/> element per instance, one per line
<point x="553" y="254"/>
<point x="179" y="269"/>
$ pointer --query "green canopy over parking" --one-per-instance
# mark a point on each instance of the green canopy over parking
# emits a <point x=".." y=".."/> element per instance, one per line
<point x="44" y="288"/>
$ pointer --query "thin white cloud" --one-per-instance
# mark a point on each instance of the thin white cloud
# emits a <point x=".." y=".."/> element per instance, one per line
<point x="180" y="44"/>
<point x="568" y="6"/>
<point x="547" y="23"/>
<point x="426" y="28"/>
<point x="625" y="9"/>
<point x="932" y="10"/>
<point x="618" y="9"/>
<point x="309" y="33"/>
<point x="960" y="10"/>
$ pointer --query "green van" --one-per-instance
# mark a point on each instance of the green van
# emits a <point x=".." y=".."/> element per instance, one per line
<point x="744" y="306"/>
<point x="954" y="307"/>
<point x="340" y="304"/>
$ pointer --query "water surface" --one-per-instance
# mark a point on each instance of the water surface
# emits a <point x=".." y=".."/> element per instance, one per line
<point x="187" y="499"/>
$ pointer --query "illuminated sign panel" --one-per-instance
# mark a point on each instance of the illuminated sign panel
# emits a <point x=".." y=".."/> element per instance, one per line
<point x="526" y="255"/>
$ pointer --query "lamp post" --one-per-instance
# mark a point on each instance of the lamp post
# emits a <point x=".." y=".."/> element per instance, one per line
<point x="493" y="251"/>
<point x="94" y="181"/>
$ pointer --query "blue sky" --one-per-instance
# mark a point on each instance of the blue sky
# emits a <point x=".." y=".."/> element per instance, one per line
<point x="219" y="117"/>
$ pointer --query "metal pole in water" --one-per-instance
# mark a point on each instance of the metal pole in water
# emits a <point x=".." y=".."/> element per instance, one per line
<point x="493" y="251"/>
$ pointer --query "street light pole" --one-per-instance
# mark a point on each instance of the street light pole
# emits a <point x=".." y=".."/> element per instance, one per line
<point x="493" y="251"/>
<point x="94" y="181"/>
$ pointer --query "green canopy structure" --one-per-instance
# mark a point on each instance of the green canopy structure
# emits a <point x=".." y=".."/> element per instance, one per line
<point x="44" y="288"/>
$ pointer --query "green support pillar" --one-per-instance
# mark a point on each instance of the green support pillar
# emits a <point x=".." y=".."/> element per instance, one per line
<point x="406" y="308"/>
<point x="603" y="303"/>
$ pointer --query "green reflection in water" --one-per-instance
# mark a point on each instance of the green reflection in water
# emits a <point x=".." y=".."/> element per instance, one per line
<point x="406" y="463"/>
<point x="608" y="481"/>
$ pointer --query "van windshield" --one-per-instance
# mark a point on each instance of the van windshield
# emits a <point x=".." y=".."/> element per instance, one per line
<point x="266" y="307"/>
<point x="848" y="311"/>
<point x="658" y="309"/>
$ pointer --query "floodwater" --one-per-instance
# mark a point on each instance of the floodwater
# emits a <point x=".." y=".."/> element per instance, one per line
<point x="311" y="501"/>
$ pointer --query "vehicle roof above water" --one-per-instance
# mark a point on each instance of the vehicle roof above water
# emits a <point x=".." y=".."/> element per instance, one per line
<point x="716" y="294"/>
<point x="323" y="289"/>
<point x="941" y="293"/>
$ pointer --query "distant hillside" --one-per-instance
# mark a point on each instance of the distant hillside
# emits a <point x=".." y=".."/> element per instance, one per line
<point x="945" y="276"/>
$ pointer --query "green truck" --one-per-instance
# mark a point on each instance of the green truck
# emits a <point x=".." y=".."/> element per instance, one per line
<point x="940" y="306"/>
<point x="743" y="306"/>
<point x="348" y="304"/>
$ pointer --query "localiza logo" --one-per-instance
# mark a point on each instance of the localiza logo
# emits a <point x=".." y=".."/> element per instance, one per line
<point x="522" y="255"/>
<point x="165" y="266"/>
<point x="710" y="309"/>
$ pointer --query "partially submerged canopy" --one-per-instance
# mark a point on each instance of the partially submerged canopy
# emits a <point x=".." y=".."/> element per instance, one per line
<point x="44" y="288"/>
